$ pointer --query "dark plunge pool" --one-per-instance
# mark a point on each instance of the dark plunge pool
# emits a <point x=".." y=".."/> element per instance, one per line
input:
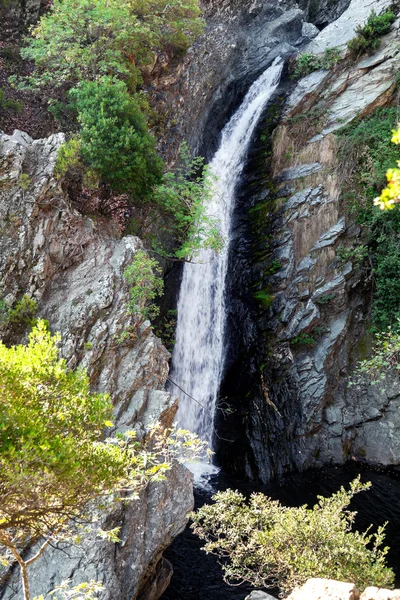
<point x="198" y="576"/>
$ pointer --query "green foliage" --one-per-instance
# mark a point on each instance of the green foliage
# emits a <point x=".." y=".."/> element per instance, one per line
<point x="69" y="159"/>
<point x="264" y="298"/>
<point x="270" y="545"/>
<point x="303" y="339"/>
<point x="114" y="139"/>
<point x="50" y="428"/>
<point x="23" y="313"/>
<point x="145" y="284"/>
<point x="8" y="104"/>
<point x="385" y="356"/>
<point x="366" y="152"/>
<point x="53" y="456"/>
<point x="325" y="299"/>
<point x="368" y="36"/>
<point x="273" y="267"/>
<point x="87" y="39"/>
<point x="357" y="254"/>
<point x="307" y="62"/>
<point x="182" y="198"/>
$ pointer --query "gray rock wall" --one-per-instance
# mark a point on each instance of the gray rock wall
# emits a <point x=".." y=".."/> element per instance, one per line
<point x="73" y="267"/>
<point x="302" y="413"/>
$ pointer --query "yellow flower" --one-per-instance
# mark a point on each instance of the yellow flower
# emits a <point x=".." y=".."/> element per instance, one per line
<point x="396" y="136"/>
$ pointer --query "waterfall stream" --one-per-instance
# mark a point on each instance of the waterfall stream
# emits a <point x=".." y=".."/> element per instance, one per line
<point x="198" y="356"/>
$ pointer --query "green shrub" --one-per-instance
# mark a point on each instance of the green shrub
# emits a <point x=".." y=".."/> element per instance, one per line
<point x="269" y="545"/>
<point x="366" y="152"/>
<point x="357" y="254"/>
<point x="368" y="36"/>
<point x="325" y="299"/>
<point x="114" y="140"/>
<point x="87" y="39"/>
<point x="145" y="284"/>
<point x="8" y="104"/>
<point x="23" y="312"/>
<point x="303" y="339"/>
<point x="307" y="62"/>
<point x="69" y="159"/>
<point x="385" y="356"/>
<point x="182" y="198"/>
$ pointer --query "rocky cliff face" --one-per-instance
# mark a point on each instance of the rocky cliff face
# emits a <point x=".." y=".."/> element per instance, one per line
<point x="72" y="266"/>
<point x="300" y="411"/>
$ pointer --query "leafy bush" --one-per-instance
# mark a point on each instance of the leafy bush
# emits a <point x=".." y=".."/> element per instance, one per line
<point x="87" y="39"/>
<point x="114" y="140"/>
<point x="385" y="356"/>
<point x="270" y="545"/>
<point x="145" y="284"/>
<point x="303" y="339"/>
<point x="8" y="104"/>
<point x="182" y="198"/>
<point x="307" y="62"/>
<point x="367" y="153"/>
<point x="368" y="36"/>
<point x="357" y="254"/>
<point x="53" y="456"/>
<point x="52" y="459"/>
<point x="23" y="313"/>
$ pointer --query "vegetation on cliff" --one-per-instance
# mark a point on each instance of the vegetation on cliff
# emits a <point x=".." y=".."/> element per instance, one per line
<point x="93" y="58"/>
<point x="366" y="155"/>
<point x="57" y="470"/>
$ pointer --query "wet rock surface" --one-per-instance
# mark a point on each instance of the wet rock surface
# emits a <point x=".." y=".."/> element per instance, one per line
<point x="297" y="309"/>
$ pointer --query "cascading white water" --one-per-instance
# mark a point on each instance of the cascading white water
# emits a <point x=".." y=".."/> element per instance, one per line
<point x="198" y="356"/>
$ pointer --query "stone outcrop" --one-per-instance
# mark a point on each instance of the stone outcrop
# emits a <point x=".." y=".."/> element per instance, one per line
<point x="72" y="266"/>
<point x="327" y="589"/>
<point x="240" y="41"/>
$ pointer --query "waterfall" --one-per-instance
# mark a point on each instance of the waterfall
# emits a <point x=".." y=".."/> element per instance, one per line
<point x="199" y="353"/>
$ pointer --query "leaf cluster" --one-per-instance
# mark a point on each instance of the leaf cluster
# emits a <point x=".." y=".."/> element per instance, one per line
<point x="269" y="545"/>
<point x="367" y="38"/>
<point x="182" y="198"/>
<point x="87" y="39"/>
<point x="52" y="459"/>
<point x="366" y="153"/>
<point x="114" y="140"/>
<point x="385" y="356"/>
<point x="306" y="62"/>
<point x="143" y="276"/>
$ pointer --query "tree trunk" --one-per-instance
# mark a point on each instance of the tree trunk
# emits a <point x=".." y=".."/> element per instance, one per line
<point x="25" y="580"/>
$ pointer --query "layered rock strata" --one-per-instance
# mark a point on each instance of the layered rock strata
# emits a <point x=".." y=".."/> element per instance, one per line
<point x="292" y="398"/>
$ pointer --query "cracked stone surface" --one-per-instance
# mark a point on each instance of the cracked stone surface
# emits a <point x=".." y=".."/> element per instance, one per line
<point x="319" y="307"/>
<point x="73" y="267"/>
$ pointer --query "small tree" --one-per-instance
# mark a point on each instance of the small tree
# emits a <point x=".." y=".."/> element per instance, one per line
<point x="52" y="459"/>
<point x="269" y="545"/>
<point x="115" y="142"/>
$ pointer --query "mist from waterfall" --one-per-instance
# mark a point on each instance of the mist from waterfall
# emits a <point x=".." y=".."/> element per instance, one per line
<point x="199" y="352"/>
